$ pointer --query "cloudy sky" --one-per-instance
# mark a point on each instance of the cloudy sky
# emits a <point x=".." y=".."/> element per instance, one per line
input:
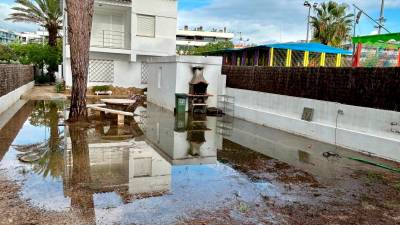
<point x="260" y="21"/>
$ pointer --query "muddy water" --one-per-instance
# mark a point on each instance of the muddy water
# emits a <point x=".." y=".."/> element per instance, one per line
<point x="162" y="169"/>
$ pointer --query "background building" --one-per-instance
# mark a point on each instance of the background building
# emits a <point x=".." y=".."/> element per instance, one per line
<point x="198" y="37"/>
<point x="7" y="36"/>
<point x="34" y="37"/>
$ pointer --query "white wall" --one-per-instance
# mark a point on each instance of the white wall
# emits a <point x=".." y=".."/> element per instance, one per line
<point x="176" y="73"/>
<point x="359" y="128"/>
<point x="9" y="99"/>
<point x="165" y="75"/>
<point x="164" y="42"/>
<point x="126" y="73"/>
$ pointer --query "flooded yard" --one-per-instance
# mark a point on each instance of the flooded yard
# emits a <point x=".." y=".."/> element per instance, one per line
<point x="164" y="169"/>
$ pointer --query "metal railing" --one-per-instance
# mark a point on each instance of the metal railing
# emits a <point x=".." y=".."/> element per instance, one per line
<point x="109" y="39"/>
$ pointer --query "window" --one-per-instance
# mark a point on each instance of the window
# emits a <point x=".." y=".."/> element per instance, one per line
<point x="146" y="25"/>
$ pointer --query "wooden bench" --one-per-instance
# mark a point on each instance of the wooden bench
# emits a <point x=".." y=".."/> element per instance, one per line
<point x="121" y="114"/>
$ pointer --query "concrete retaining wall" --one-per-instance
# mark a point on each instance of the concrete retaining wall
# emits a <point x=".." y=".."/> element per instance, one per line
<point x="6" y="101"/>
<point x="358" y="128"/>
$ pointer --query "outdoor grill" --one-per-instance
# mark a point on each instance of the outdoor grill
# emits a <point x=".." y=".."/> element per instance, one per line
<point x="198" y="91"/>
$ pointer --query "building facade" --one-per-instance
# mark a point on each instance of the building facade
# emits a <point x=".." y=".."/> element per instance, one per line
<point x="7" y="37"/>
<point x="39" y="37"/>
<point x="125" y="34"/>
<point x="198" y="37"/>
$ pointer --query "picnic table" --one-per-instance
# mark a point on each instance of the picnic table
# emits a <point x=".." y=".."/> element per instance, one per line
<point x="119" y="104"/>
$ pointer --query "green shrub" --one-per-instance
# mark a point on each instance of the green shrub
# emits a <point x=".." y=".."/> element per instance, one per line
<point x="60" y="87"/>
<point x="101" y="88"/>
<point x="42" y="79"/>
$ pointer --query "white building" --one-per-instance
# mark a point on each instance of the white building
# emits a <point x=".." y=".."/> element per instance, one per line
<point x="125" y="34"/>
<point x="199" y="37"/>
<point x="34" y="37"/>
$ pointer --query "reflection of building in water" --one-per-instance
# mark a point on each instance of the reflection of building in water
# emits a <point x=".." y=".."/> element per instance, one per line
<point x="191" y="142"/>
<point x="300" y="152"/>
<point x="133" y="169"/>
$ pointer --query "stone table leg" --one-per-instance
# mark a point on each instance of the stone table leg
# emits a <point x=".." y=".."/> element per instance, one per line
<point x="121" y="120"/>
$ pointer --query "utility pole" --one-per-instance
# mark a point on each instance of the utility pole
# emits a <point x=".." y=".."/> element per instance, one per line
<point x="308" y="4"/>
<point x="381" y="18"/>
<point x="372" y="19"/>
<point x="308" y="25"/>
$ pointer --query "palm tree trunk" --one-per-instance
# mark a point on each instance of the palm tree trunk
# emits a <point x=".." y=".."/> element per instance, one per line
<point x="80" y="14"/>
<point x="53" y="34"/>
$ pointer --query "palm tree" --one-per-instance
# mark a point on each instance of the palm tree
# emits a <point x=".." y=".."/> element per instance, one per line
<point x="46" y="13"/>
<point x="332" y="25"/>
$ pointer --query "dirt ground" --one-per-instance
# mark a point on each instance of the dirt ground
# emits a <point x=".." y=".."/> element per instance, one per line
<point x="47" y="92"/>
<point x="16" y="211"/>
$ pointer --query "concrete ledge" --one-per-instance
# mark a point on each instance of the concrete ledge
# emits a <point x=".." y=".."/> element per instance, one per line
<point x="6" y="116"/>
<point x="9" y="99"/>
<point x="210" y="60"/>
<point x="360" y="129"/>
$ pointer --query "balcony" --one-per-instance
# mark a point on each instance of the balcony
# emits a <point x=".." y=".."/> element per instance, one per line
<point x="111" y="29"/>
<point x="115" y="2"/>
<point x="109" y="39"/>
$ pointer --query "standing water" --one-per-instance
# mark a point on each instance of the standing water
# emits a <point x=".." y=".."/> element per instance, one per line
<point x="164" y="169"/>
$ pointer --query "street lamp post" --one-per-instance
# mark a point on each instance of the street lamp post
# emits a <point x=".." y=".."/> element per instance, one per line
<point x="308" y="4"/>
<point x="381" y="17"/>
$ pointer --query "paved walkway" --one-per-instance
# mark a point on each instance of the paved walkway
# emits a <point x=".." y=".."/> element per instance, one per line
<point x="43" y="93"/>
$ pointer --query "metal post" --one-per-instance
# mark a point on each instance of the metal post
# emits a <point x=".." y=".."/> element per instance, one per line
<point x="308" y="24"/>
<point x="103" y="38"/>
<point x="256" y="57"/>
<point x="381" y="18"/>
<point x="354" y="30"/>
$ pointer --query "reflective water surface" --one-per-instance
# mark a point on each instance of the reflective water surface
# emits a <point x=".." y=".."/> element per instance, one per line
<point x="160" y="168"/>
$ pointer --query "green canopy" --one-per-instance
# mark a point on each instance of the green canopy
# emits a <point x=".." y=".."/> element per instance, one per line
<point x="391" y="40"/>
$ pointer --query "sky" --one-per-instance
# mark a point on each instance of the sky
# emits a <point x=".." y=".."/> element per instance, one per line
<point x="259" y="21"/>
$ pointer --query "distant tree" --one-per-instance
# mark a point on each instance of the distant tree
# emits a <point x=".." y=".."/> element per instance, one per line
<point x="6" y="54"/>
<point x="332" y="24"/>
<point x="210" y="47"/>
<point x="46" y="13"/>
<point x="38" y="55"/>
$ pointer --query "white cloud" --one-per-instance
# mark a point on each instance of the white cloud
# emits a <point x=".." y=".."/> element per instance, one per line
<point x="262" y="20"/>
<point x="5" y="10"/>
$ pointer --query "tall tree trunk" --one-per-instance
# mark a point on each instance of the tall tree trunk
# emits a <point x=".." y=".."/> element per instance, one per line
<point x="54" y="140"/>
<point x="53" y="34"/>
<point x="81" y="195"/>
<point x="80" y="14"/>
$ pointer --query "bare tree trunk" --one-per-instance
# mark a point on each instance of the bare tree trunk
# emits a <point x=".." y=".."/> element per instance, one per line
<point x="80" y="14"/>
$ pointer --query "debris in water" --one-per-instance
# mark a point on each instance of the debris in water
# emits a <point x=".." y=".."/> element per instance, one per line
<point x="28" y="158"/>
<point x="331" y="154"/>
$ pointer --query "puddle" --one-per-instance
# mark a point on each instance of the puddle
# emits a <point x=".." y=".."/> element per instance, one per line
<point x="162" y="169"/>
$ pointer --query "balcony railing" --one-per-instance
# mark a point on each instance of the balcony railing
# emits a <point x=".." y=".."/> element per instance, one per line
<point x="109" y="39"/>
